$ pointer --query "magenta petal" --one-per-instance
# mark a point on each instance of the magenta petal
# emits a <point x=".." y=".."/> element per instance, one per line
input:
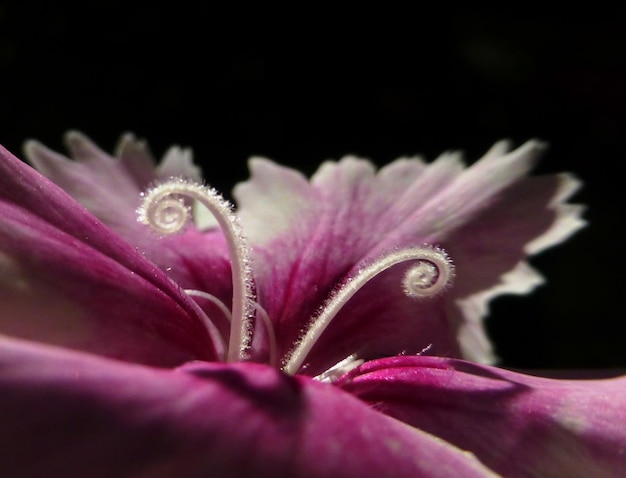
<point x="519" y="425"/>
<point x="68" y="280"/>
<point x="69" y="414"/>
<point x="308" y="237"/>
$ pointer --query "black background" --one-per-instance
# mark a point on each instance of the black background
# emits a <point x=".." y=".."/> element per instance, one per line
<point x="304" y="85"/>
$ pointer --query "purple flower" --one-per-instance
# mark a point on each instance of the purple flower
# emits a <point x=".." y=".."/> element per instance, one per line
<point x="330" y="327"/>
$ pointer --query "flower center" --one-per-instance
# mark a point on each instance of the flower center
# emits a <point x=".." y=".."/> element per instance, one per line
<point x="166" y="209"/>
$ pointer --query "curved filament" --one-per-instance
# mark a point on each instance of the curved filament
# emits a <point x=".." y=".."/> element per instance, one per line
<point x="429" y="276"/>
<point x="165" y="209"/>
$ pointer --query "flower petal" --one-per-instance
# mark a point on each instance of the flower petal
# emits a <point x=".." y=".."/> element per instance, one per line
<point x="528" y="217"/>
<point x="109" y="187"/>
<point x="101" y="183"/>
<point x="308" y="238"/>
<point x="519" y="425"/>
<point x="68" y="280"/>
<point x="69" y="414"/>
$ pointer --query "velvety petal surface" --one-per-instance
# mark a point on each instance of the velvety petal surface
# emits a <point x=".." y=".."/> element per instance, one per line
<point x="70" y="414"/>
<point x="518" y="425"/>
<point x="69" y="280"/>
<point x="309" y="237"/>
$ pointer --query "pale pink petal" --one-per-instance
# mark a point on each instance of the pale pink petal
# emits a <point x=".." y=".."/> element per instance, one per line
<point x="519" y="425"/>
<point x="70" y="414"/>
<point x="109" y="187"/>
<point x="137" y="159"/>
<point x="98" y="181"/>
<point x="470" y="311"/>
<point x="309" y="237"/>
<point x="489" y="251"/>
<point x="178" y="162"/>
